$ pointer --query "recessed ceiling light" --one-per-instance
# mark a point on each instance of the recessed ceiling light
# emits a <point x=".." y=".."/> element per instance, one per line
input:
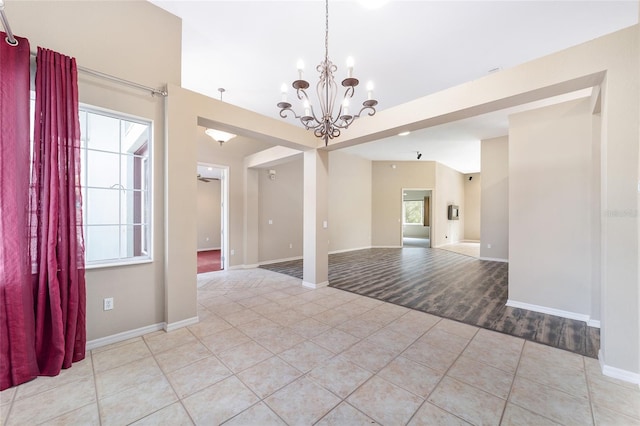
<point x="404" y="133"/>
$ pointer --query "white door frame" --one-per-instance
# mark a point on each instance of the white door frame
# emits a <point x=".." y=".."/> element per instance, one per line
<point x="224" y="205"/>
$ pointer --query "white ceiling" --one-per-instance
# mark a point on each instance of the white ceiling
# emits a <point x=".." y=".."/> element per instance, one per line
<point x="408" y="48"/>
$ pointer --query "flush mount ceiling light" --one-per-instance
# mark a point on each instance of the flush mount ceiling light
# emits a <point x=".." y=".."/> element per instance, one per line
<point x="219" y="135"/>
<point x="324" y="123"/>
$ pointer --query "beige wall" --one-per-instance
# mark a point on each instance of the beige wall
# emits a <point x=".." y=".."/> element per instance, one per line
<point x="494" y="209"/>
<point x="209" y="215"/>
<point x="85" y="30"/>
<point x="449" y="190"/>
<point x="280" y="201"/>
<point x="472" y="206"/>
<point x="349" y="202"/>
<point x="387" y="184"/>
<point x="550" y="207"/>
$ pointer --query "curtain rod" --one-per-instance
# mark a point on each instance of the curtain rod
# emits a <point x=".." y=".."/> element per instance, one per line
<point x="119" y="80"/>
<point x="10" y="39"/>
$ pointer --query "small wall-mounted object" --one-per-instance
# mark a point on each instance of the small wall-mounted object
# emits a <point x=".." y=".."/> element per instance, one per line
<point x="453" y="212"/>
<point x="272" y="174"/>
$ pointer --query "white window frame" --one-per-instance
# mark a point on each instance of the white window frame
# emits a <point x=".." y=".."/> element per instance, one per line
<point x="147" y="256"/>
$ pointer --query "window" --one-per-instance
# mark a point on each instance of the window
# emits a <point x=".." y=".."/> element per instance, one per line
<point x="413" y="212"/>
<point x="116" y="191"/>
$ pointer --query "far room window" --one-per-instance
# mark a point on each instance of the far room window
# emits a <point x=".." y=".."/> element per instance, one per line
<point x="413" y="212"/>
<point x="116" y="189"/>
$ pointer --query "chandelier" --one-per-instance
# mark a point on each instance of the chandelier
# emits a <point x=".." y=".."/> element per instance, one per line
<point x="325" y="124"/>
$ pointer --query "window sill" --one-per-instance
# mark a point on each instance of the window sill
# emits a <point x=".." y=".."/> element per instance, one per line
<point x="117" y="263"/>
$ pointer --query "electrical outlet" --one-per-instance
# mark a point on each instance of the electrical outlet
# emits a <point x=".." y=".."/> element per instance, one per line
<point x="488" y="245"/>
<point x="108" y="304"/>
<point x="290" y="245"/>
<point x="233" y="252"/>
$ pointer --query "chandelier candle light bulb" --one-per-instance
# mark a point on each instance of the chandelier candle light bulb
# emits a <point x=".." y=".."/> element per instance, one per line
<point x="323" y="123"/>
<point x="370" y="90"/>
<point x="350" y="67"/>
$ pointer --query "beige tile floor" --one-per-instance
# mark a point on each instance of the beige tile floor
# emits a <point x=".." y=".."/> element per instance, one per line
<point x="268" y="351"/>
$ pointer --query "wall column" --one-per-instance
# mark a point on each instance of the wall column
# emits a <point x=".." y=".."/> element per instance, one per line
<point x="251" y="208"/>
<point x="315" y="223"/>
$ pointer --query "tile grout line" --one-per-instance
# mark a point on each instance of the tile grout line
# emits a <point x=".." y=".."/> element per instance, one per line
<point x="588" y="382"/>
<point x="515" y="374"/>
<point x="426" y="399"/>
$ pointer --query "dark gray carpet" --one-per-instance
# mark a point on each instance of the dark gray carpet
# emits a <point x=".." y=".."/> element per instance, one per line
<point x="452" y="286"/>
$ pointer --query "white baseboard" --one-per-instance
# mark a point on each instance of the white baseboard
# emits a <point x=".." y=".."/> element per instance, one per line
<point x="287" y="259"/>
<point x="494" y="259"/>
<point x="547" y="310"/>
<point x="130" y="334"/>
<point x="251" y="266"/>
<point x="348" y="250"/>
<point x="593" y="323"/>
<point x="312" y="285"/>
<point x="617" y="373"/>
<point x="209" y="249"/>
<point x="183" y="323"/>
<point x="386" y="246"/>
<point x="125" y="335"/>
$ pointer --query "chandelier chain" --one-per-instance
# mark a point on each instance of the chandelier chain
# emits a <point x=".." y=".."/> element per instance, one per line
<point x="326" y="30"/>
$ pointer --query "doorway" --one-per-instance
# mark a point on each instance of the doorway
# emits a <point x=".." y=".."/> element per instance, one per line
<point x="417" y="217"/>
<point x="212" y="217"/>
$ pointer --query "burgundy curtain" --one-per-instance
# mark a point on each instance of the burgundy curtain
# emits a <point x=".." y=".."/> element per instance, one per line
<point x="57" y="246"/>
<point x="17" y="357"/>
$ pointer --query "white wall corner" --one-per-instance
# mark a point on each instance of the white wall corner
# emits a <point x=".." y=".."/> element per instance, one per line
<point x="125" y="335"/>
<point x="549" y="311"/>
<point x="314" y="286"/>
<point x="617" y="373"/>
<point x="179" y="324"/>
